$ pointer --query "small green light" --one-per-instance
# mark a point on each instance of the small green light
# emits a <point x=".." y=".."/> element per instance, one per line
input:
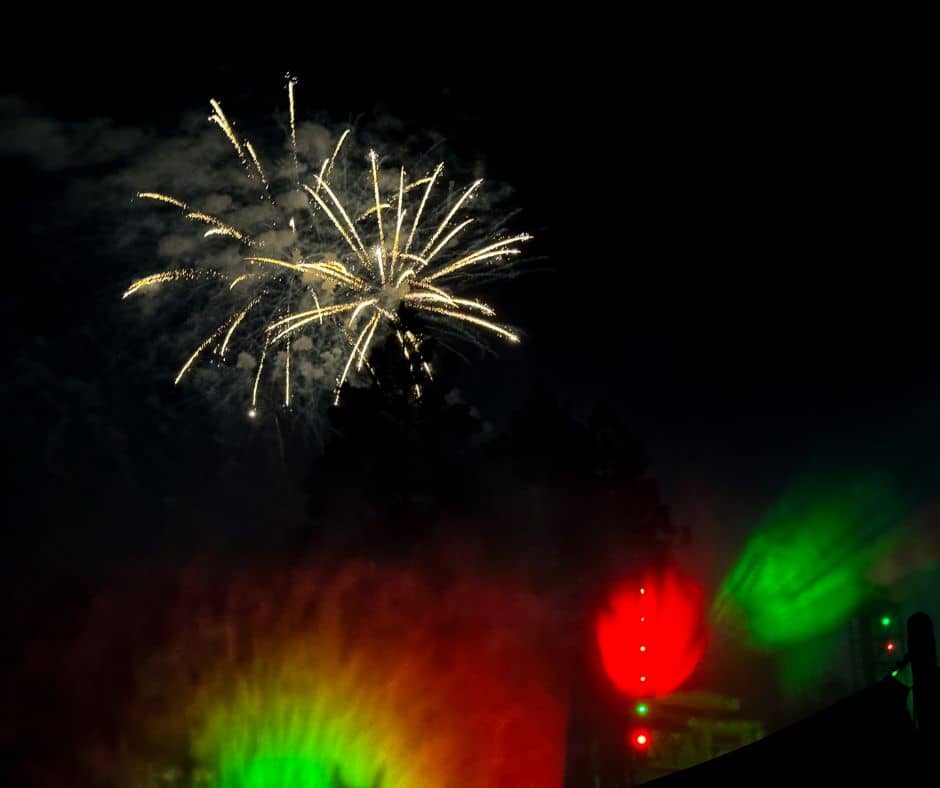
<point x="642" y="709"/>
<point x="894" y="674"/>
<point x="886" y="621"/>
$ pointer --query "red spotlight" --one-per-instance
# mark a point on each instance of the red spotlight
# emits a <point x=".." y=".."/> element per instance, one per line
<point x="650" y="643"/>
<point x="889" y="646"/>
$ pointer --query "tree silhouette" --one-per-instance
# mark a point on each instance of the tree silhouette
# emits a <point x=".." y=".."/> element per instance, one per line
<point x="393" y="463"/>
<point x="563" y="492"/>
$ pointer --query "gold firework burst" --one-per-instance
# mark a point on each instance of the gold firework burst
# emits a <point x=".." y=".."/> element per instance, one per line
<point x="381" y="265"/>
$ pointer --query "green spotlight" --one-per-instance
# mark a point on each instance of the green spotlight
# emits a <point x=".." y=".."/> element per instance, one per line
<point x="806" y="565"/>
<point x="642" y="709"/>
<point x="886" y="621"/>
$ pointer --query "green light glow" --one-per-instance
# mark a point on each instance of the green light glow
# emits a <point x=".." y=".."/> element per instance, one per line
<point x="360" y="678"/>
<point x="285" y="725"/>
<point x="642" y="709"/>
<point x="805" y="568"/>
<point x="886" y="621"/>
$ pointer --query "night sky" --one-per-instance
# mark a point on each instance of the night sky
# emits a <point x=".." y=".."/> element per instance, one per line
<point x="762" y="300"/>
<point x="762" y="297"/>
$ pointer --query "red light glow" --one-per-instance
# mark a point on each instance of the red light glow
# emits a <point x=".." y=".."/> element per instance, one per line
<point x="889" y="647"/>
<point x="639" y="739"/>
<point x="656" y="656"/>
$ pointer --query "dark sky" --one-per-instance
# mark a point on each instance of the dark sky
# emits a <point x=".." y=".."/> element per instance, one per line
<point x="761" y="295"/>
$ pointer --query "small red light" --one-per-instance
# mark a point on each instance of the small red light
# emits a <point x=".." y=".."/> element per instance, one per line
<point x="889" y="646"/>
<point x="639" y="739"/>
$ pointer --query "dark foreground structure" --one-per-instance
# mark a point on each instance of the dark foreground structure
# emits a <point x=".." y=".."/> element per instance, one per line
<point x="870" y="738"/>
<point x="886" y="734"/>
<point x="860" y="740"/>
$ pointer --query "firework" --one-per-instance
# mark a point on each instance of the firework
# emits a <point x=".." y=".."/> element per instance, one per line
<point x="350" y="263"/>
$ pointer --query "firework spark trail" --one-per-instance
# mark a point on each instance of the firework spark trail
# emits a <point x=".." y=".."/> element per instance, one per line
<point x="365" y="347"/>
<point x="432" y="289"/>
<point x="381" y="278"/>
<point x="378" y="259"/>
<point x="182" y="274"/>
<point x="443" y="225"/>
<point x="447" y="239"/>
<point x="424" y="199"/>
<point x="471" y="319"/>
<point x="388" y="205"/>
<point x="206" y="342"/>
<point x="287" y="376"/>
<point x="264" y="181"/>
<point x="293" y="118"/>
<point x="254" y="390"/>
<point x="456" y="302"/>
<point x="498" y="249"/>
<point x="352" y="355"/>
<point x="235" y="323"/>
<point x="304" y="318"/>
<point x="218" y="226"/>
<point x="222" y="122"/>
<point x="359" y="250"/>
<point x="362" y="254"/>
<point x="399" y="215"/>
<point x="163" y="198"/>
<point x="378" y="206"/>
<point x="362" y="305"/>
<point x="336" y="150"/>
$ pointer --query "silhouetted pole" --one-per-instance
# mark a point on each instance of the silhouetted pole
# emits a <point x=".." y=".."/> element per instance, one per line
<point x="922" y="650"/>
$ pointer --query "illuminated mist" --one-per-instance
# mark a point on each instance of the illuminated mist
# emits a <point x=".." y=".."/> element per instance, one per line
<point x="359" y="677"/>
<point x="652" y="633"/>
<point x="806" y="567"/>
